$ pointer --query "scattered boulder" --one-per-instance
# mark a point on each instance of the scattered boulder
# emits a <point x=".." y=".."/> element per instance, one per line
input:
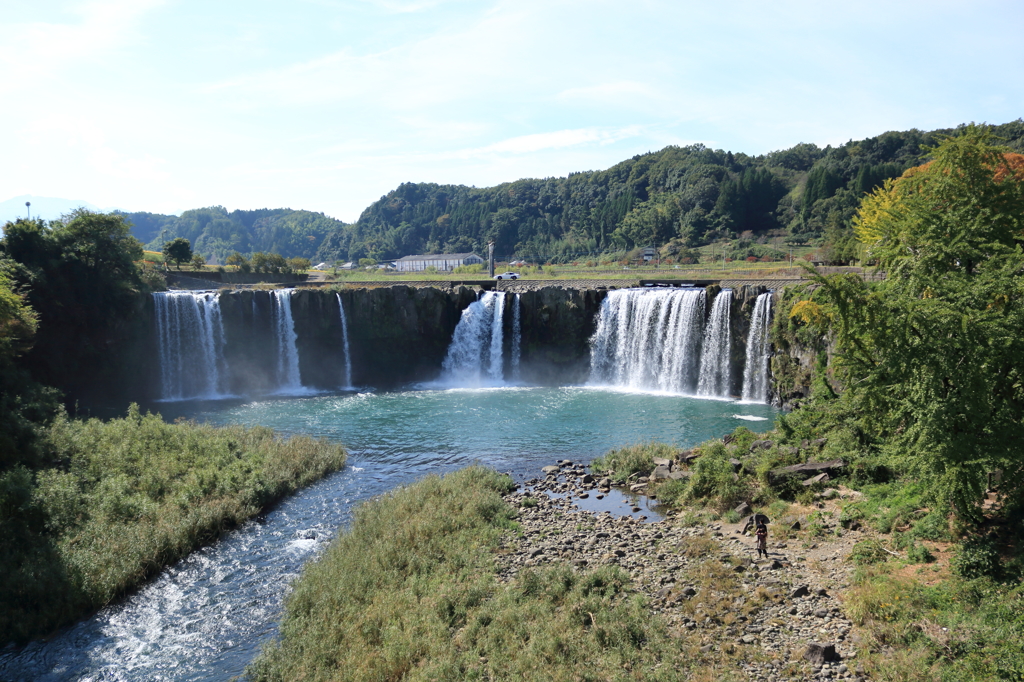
<point x="736" y="465"/>
<point x="688" y="456"/>
<point x="548" y="470"/>
<point x="820" y="478"/>
<point x="743" y="509"/>
<point x="764" y="444"/>
<point x="818" y="654"/>
<point x="662" y="462"/>
<point x="676" y="474"/>
<point x="661" y="472"/>
<point x="800" y="591"/>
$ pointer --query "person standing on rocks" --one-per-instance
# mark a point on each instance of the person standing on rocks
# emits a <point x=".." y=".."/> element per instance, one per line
<point x="762" y="540"/>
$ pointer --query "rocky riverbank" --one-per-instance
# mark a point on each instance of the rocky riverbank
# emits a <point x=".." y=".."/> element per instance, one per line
<point x="778" y="618"/>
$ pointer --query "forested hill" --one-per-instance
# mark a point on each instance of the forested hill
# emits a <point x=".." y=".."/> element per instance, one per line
<point x="216" y="233"/>
<point x="676" y="198"/>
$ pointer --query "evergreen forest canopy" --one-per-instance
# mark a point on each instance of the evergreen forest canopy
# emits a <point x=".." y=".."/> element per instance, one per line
<point x="216" y="234"/>
<point x="675" y="199"/>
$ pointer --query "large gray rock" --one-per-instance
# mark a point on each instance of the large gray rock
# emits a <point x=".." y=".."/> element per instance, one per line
<point x="832" y="468"/>
<point x="820" y="653"/>
<point x="662" y="462"/>
<point x="820" y="478"/>
<point x="661" y="471"/>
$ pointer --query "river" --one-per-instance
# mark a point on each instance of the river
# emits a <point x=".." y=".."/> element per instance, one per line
<point x="206" y="617"/>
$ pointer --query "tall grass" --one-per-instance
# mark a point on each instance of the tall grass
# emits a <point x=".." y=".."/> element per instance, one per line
<point x="631" y="461"/>
<point x="410" y="593"/>
<point x="955" y="631"/>
<point x="125" y="498"/>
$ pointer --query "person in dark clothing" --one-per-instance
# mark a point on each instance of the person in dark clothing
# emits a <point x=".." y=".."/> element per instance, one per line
<point x="762" y="540"/>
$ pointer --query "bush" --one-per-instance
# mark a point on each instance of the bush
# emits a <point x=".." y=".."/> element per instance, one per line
<point x="867" y="552"/>
<point x="919" y="554"/>
<point x="714" y="481"/>
<point x="976" y="558"/>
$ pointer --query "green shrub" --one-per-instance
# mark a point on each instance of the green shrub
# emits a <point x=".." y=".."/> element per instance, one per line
<point x="672" y="493"/>
<point x="976" y="558"/>
<point x="919" y="554"/>
<point x="714" y="481"/>
<point x="867" y="552"/>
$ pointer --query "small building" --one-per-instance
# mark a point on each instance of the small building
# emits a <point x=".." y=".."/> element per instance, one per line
<point x="440" y="261"/>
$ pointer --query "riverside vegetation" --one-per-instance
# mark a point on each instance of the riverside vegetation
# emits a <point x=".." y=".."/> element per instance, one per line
<point x="91" y="509"/>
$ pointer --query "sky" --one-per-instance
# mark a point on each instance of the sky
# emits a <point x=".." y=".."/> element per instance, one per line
<point x="326" y="105"/>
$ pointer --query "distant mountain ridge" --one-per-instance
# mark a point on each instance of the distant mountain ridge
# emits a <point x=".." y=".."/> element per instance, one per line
<point x="677" y="198"/>
<point x="680" y="197"/>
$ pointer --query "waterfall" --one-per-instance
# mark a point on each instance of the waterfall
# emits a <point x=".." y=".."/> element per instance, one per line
<point x="755" y="371"/>
<point x="288" y="379"/>
<point x="648" y="339"/>
<point x="190" y="335"/>
<point x="516" y="339"/>
<point x="475" y="354"/>
<point x="344" y="336"/>
<point x="715" y="356"/>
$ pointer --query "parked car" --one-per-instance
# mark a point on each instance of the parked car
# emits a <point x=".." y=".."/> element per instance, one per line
<point x="507" y="275"/>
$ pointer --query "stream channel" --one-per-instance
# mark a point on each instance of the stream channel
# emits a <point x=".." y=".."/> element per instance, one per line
<point x="206" y="617"/>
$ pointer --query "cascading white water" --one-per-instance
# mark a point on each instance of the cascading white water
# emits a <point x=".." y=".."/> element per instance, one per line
<point x="715" y="355"/>
<point x="344" y="336"/>
<point x="287" y="349"/>
<point x="648" y="339"/>
<point x="517" y="333"/>
<point x="191" y="344"/>
<point x="475" y="354"/>
<point x="755" y="371"/>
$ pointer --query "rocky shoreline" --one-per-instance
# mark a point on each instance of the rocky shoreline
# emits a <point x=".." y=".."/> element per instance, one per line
<point x="777" y="618"/>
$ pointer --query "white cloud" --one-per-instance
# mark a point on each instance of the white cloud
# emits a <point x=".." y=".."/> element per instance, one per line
<point x="559" y="139"/>
<point x="38" y="50"/>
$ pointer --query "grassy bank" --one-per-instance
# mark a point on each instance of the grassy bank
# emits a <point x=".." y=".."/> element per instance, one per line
<point x="121" y="499"/>
<point x="410" y="593"/>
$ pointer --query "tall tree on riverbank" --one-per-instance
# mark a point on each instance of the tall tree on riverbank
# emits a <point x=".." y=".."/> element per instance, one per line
<point x="81" y="278"/>
<point x="932" y="356"/>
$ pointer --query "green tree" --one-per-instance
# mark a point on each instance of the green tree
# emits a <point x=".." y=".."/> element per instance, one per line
<point x="81" y="277"/>
<point x="932" y="356"/>
<point x="178" y="250"/>
<point x="197" y="261"/>
<point x="237" y="260"/>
